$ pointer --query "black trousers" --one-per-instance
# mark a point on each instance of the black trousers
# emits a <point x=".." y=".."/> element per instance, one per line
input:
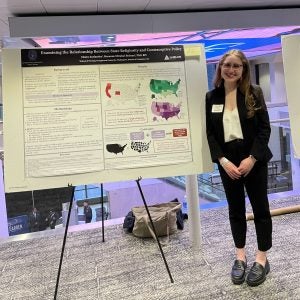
<point x="255" y="183"/>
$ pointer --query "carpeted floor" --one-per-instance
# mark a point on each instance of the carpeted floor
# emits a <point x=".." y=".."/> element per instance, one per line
<point x="125" y="267"/>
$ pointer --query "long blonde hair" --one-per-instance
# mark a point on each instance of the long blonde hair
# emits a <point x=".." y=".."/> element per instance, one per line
<point x="244" y="83"/>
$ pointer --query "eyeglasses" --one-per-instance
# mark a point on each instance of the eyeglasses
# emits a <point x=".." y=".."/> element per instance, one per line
<point x="233" y="66"/>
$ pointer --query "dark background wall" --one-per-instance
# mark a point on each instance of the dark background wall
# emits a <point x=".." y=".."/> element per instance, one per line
<point x="21" y="203"/>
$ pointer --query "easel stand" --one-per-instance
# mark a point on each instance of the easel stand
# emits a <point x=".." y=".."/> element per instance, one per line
<point x="102" y="206"/>
<point x="64" y="241"/>
<point x="152" y="225"/>
<point x="66" y="232"/>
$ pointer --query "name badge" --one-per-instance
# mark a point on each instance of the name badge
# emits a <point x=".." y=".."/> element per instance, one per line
<point x="217" y="108"/>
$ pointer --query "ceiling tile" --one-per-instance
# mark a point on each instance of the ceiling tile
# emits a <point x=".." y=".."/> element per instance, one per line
<point x="69" y="6"/>
<point x="4" y="13"/>
<point x="4" y="17"/>
<point x="20" y="7"/>
<point x="73" y="9"/>
<point x="3" y="6"/>
<point x="157" y="5"/>
<point x="122" y="6"/>
<point x="4" y="29"/>
<point x="69" y="2"/>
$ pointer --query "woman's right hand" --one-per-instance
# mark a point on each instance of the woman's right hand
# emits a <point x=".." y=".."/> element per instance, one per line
<point x="230" y="168"/>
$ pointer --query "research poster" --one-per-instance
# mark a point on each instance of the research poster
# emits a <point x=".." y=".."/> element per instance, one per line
<point x="291" y="65"/>
<point x="92" y="115"/>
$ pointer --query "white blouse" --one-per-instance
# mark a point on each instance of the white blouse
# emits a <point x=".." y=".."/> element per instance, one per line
<point x="232" y="125"/>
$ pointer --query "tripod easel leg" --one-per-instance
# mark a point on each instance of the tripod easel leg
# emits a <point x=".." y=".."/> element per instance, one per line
<point x="64" y="241"/>
<point x="102" y="206"/>
<point x="152" y="225"/>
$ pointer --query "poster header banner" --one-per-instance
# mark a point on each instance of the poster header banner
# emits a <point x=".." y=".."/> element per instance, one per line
<point x="110" y="55"/>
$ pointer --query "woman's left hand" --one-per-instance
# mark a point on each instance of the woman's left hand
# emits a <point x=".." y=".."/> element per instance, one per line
<point x="246" y="165"/>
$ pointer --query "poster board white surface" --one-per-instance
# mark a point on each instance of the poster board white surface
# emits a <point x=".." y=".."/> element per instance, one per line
<point x="291" y="65"/>
<point x="91" y="115"/>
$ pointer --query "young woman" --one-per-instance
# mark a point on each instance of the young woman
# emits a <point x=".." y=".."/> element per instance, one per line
<point x="238" y="131"/>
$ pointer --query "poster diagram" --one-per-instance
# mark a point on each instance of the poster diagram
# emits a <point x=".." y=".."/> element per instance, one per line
<point x="147" y="105"/>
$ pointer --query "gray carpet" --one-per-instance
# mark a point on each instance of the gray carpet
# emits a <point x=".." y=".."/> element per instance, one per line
<point x="125" y="267"/>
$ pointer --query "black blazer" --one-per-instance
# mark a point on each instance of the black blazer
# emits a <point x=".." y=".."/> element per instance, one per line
<point x="256" y="130"/>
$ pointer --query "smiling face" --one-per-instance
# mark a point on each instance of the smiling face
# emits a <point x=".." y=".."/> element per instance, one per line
<point x="231" y="69"/>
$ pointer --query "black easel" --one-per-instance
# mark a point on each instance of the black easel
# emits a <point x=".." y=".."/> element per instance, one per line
<point x="66" y="232"/>
<point x="64" y="241"/>
<point x="152" y="225"/>
<point x="102" y="206"/>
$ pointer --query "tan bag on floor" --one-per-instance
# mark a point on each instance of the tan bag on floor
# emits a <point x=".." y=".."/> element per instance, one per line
<point x="163" y="216"/>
